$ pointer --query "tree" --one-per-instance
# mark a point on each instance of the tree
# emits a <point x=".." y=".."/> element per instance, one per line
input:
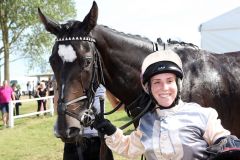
<point x="21" y="31"/>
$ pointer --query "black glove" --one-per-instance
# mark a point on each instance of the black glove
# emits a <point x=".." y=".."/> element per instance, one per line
<point x="222" y="145"/>
<point x="104" y="126"/>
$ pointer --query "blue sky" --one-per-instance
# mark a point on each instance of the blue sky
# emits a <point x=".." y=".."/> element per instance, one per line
<point x="176" y="19"/>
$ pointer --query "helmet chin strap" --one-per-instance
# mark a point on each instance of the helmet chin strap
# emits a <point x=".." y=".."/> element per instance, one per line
<point x="175" y="102"/>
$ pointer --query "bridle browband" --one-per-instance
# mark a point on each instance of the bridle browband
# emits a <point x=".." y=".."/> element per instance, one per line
<point x="89" y="39"/>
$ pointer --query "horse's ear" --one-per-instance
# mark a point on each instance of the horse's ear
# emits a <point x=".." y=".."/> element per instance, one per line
<point x="49" y="24"/>
<point x="90" y="21"/>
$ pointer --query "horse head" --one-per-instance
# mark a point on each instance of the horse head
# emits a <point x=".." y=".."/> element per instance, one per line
<point x="75" y="62"/>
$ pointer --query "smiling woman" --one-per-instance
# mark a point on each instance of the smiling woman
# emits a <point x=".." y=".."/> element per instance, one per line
<point x="198" y="134"/>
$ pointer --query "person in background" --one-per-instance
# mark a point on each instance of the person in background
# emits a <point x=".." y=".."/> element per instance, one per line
<point x="171" y="129"/>
<point x="29" y="89"/>
<point x="42" y="92"/>
<point x="36" y="89"/>
<point x="33" y="89"/>
<point x="6" y="95"/>
<point x="17" y="95"/>
<point x="50" y="88"/>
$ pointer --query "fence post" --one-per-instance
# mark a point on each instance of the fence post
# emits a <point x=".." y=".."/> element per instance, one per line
<point x="51" y="106"/>
<point x="11" y="116"/>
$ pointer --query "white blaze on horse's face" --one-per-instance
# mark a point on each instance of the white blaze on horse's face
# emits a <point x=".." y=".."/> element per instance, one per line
<point x="62" y="91"/>
<point x="67" y="53"/>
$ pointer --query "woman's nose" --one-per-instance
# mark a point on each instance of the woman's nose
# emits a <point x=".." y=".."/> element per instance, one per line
<point x="164" y="86"/>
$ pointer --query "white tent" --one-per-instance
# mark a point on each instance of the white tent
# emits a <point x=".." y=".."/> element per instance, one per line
<point x="222" y="34"/>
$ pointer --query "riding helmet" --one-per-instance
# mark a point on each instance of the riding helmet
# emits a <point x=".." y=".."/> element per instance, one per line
<point x="165" y="61"/>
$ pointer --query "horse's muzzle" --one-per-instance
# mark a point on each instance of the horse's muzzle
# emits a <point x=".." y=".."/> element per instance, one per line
<point x="67" y="128"/>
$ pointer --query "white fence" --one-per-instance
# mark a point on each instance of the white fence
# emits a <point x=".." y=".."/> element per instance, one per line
<point x="11" y="109"/>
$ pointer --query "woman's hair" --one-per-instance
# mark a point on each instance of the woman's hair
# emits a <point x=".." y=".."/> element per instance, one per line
<point x="42" y="84"/>
<point x="14" y="85"/>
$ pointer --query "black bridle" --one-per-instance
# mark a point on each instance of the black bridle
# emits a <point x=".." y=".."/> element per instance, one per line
<point x="97" y="78"/>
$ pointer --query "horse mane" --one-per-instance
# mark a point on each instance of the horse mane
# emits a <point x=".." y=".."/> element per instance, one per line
<point x="176" y="44"/>
<point x="170" y="43"/>
<point x="139" y="37"/>
<point x="182" y="43"/>
<point x="71" y="23"/>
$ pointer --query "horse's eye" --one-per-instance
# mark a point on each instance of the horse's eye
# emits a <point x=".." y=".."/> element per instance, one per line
<point x="87" y="61"/>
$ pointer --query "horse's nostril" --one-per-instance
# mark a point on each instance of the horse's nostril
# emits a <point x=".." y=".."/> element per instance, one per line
<point x="73" y="132"/>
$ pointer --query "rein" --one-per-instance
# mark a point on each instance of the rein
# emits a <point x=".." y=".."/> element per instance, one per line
<point x="155" y="48"/>
<point x="128" y="106"/>
<point x="137" y="117"/>
<point x="115" y="108"/>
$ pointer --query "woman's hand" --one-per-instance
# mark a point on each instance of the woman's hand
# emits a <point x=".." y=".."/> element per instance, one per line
<point x="104" y="126"/>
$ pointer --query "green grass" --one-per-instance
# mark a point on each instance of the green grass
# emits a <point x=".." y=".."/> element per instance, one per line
<point x="32" y="137"/>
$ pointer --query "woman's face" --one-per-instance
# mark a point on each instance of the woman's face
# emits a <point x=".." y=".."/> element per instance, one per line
<point x="164" y="88"/>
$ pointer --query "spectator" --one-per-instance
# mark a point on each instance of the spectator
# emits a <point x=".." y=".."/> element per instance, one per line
<point x="42" y="92"/>
<point x="17" y="95"/>
<point x="33" y="88"/>
<point x="6" y="95"/>
<point x="50" y="88"/>
<point x="29" y="89"/>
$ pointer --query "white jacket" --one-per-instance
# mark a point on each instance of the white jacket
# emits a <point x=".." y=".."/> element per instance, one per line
<point x="181" y="132"/>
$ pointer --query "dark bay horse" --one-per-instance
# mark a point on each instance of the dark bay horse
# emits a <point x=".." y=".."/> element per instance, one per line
<point x="86" y="54"/>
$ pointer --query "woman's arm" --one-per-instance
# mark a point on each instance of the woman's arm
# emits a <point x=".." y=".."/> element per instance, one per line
<point x="214" y="129"/>
<point x="128" y="146"/>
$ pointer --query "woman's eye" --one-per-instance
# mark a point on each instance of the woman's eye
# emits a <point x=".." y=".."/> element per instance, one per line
<point x="156" y="82"/>
<point x="171" y="80"/>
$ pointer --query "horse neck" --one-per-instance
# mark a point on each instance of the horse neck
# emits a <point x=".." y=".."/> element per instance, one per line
<point x="122" y="56"/>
